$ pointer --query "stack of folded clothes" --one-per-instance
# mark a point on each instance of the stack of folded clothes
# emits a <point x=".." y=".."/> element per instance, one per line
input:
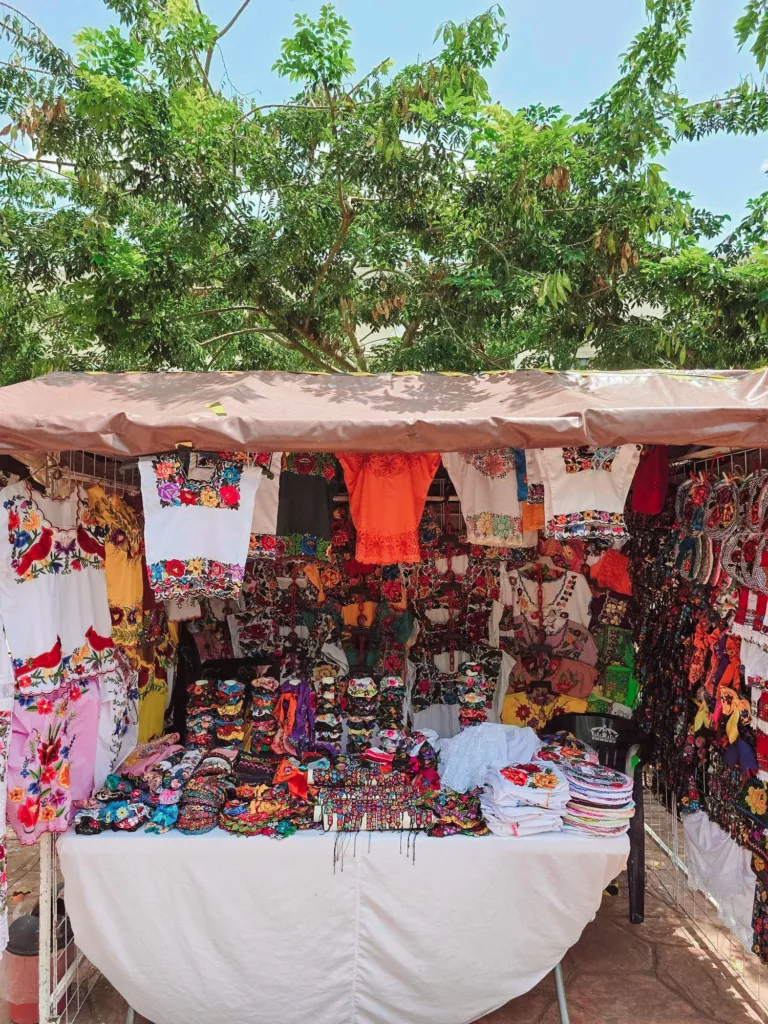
<point x="262" y="714"/>
<point x="601" y="800"/>
<point x="523" y="799"/>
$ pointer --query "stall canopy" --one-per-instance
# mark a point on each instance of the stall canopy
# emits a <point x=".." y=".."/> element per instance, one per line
<point x="140" y="413"/>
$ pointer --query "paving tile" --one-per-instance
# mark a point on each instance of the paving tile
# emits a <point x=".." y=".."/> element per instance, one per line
<point x="696" y="976"/>
<point x="613" y="998"/>
<point x="662" y="929"/>
<point x="526" y="1009"/>
<point x="606" y="948"/>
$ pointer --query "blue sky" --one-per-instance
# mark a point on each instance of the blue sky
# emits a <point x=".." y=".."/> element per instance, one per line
<point x="561" y="52"/>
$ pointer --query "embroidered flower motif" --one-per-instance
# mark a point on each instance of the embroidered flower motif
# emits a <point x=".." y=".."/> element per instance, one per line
<point x="584" y="458"/>
<point x="516" y="776"/>
<point x="496" y="462"/>
<point x="16" y="795"/>
<point x="222" y="490"/>
<point x="544" y="780"/>
<point x="756" y="800"/>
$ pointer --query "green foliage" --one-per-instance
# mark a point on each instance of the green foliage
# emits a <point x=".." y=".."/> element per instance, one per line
<point x="400" y="220"/>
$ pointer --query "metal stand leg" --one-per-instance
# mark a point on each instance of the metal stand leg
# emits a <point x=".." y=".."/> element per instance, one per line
<point x="46" y="916"/>
<point x="129" y="1017"/>
<point x="560" y="989"/>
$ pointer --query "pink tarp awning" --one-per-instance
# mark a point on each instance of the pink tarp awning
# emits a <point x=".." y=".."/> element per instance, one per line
<point x="139" y="413"/>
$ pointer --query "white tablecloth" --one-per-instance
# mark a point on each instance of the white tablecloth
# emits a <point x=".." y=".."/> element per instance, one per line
<point x="260" y="931"/>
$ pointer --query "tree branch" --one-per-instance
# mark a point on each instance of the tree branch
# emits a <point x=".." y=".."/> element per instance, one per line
<point x="346" y="222"/>
<point x="349" y="327"/>
<point x="274" y="336"/>
<point x="409" y="335"/>
<point x="223" y="32"/>
<point x="232" y="20"/>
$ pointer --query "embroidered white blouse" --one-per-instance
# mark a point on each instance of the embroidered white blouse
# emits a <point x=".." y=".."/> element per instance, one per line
<point x="53" y="589"/>
<point x="585" y="489"/>
<point x="486" y="483"/>
<point x="197" y="523"/>
<point x="566" y="598"/>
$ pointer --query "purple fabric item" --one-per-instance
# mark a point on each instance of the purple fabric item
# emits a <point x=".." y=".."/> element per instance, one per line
<point x="740" y="753"/>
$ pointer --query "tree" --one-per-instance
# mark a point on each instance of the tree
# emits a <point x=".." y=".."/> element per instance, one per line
<point x="393" y="220"/>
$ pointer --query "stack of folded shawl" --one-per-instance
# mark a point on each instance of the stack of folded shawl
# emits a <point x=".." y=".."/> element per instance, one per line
<point x="523" y="799"/>
<point x="201" y="712"/>
<point x="265" y="810"/>
<point x="362" y="705"/>
<point x="474" y="692"/>
<point x="204" y="794"/>
<point x="230" y="723"/>
<point x="262" y="714"/>
<point x="601" y="800"/>
<point x="391" y="700"/>
<point x="327" y="718"/>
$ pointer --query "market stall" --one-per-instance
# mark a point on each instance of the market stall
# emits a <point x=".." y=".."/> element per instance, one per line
<point x="333" y="611"/>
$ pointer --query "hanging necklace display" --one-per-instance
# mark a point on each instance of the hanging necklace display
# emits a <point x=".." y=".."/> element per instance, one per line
<point x="732" y="558"/>
<point x="747" y="519"/>
<point x="690" y="503"/>
<point x="721" y="510"/>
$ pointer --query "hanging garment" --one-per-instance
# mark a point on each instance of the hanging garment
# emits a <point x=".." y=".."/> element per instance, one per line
<point x="532" y="509"/>
<point x="585" y="489"/>
<point x="197" y="523"/>
<point x="53" y="592"/>
<point x="564" y="675"/>
<point x="651" y="481"/>
<point x="754" y="660"/>
<point x="266" y="505"/>
<point x="6" y="715"/>
<point x="307" y="489"/>
<point x="562" y="597"/>
<point x="387" y="493"/>
<point x="722" y="869"/>
<point x="123" y="549"/>
<point x="486" y="483"/>
<point x="611" y="572"/>
<point x="521" y="474"/>
<point x="51" y="758"/>
<point x="612" y="609"/>
<point x="520" y="709"/>
<point x="118" y="728"/>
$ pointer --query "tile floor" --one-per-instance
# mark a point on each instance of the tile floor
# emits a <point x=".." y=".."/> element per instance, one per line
<point x="660" y="972"/>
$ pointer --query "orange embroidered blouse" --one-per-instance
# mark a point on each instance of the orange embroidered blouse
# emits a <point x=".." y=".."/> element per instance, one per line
<point x="387" y="493"/>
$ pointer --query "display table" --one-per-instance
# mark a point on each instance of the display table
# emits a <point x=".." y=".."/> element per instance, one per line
<point x="222" y="928"/>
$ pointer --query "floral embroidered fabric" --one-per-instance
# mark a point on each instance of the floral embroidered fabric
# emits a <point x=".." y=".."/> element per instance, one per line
<point x="583" y="458"/>
<point x="310" y="464"/>
<point x="123" y="563"/>
<point x="6" y="711"/>
<point x="198" y="523"/>
<point x="220" y="490"/>
<point x="585" y="489"/>
<point x="53" y="595"/>
<point x="487" y="486"/>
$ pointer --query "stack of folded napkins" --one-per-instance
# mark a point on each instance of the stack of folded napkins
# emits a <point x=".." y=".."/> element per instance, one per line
<point x="523" y="799"/>
<point x="601" y="799"/>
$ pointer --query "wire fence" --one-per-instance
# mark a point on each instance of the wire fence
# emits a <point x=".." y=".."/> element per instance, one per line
<point x="666" y="857"/>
